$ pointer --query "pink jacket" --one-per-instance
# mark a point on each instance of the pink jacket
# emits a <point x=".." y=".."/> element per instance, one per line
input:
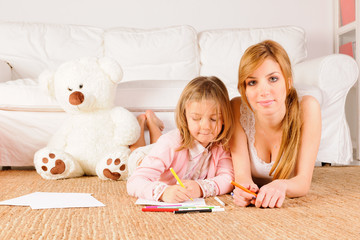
<point x="156" y="165"/>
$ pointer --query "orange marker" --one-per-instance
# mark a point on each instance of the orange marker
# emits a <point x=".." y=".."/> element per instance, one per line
<point x="242" y="188"/>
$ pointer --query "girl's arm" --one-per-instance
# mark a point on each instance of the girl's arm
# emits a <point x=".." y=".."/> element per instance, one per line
<point x="241" y="159"/>
<point x="218" y="178"/>
<point x="152" y="180"/>
<point x="273" y="194"/>
<point x="145" y="179"/>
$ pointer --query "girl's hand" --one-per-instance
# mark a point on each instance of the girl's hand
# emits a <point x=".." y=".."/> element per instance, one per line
<point x="272" y="195"/>
<point x="175" y="194"/>
<point x="242" y="198"/>
<point x="193" y="188"/>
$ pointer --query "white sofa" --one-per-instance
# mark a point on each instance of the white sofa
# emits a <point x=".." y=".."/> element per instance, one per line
<point x="157" y="64"/>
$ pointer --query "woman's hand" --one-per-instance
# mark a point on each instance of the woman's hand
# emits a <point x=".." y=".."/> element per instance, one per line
<point x="272" y="195"/>
<point x="175" y="194"/>
<point x="193" y="188"/>
<point x="242" y="198"/>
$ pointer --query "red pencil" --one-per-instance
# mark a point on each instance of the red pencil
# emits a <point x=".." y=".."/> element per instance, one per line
<point x="160" y="209"/>
<point x="242" y="188"/>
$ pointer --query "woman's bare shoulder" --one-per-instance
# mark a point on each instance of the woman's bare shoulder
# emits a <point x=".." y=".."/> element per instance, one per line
<point x="309" y="104"/>
<point x="310" y="110"/>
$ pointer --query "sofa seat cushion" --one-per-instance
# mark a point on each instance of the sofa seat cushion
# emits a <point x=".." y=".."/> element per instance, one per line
<point x="158" y="95"/>
<point x="137" y="96"/>
<point x="26" y="95"/>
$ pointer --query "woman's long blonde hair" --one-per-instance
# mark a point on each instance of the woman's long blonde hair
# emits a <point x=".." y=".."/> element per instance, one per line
<point x="205" y="88"/>
<point x="253" y="57"/>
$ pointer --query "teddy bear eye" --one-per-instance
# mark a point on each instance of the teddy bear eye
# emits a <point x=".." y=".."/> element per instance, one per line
<point x="80" y="86"/>
<point x="70" y="89"/>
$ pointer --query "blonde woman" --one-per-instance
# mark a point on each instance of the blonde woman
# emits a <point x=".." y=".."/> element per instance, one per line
<point x="277" y="134"/>
<point x="198" y="150"/>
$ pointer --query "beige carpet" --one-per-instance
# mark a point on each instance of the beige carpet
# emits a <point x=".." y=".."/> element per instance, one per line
<point x="330" y="211"/>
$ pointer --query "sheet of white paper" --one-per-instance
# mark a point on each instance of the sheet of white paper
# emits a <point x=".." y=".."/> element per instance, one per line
<point x="65" y="200"/>
<point x="20" y="201"/>
<point x="196" y="202"/>
<point x="43" y="200"/>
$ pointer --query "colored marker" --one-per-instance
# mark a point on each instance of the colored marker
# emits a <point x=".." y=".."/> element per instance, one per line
<point x="165" y="206"/>
<point x="219" y="201"/>
<point x="242" y="188"/>
<point x="199" y="210"/>
<point x="159" y="209"/>
<point x="187" y="207"/>
<point x="178" y="179"/>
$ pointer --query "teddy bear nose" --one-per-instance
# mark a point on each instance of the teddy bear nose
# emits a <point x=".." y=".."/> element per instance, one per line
<point x="76" y="98"/>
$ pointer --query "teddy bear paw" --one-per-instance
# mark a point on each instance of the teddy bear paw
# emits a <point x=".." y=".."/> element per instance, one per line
<point x="55" y="165"/>
<point x="114" y="175"/>
<point x="59" y="167"/>
<point x="114" y="168"/>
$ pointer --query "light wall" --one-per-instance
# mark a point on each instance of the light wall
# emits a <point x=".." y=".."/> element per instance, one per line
<point x="315" y="17"/>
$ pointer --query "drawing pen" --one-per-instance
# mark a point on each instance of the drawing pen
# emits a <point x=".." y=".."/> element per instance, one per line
<point x="199" y="210"/>
<point x="178" y="179"/>
<point x="159" y="209"/>
<point x="165" y="206"/>
<point x="219" y="201"/>
<point x="191" y="207"/>
<point x="242" y="188"/>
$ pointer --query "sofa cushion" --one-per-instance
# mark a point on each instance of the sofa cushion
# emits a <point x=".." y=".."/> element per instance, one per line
<point x="5" y="71"/>
<point x="26" y="95"/>
<point x="137" y="96"/>
<point x="221" y="50"/>
<point x="169" y="53"/>
<point x="159" y="95"/>
<point x="30" y="48"/>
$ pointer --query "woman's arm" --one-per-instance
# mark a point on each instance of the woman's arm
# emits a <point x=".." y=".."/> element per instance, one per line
<point x="299" y="185"/>
<point x="239" y="147"/>
<point x="241" y="159"/>
<point x="273" y="194"/>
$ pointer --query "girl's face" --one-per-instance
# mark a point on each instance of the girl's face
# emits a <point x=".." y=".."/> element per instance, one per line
<point x="266" y="89"/>
<point x="203" y="121"/>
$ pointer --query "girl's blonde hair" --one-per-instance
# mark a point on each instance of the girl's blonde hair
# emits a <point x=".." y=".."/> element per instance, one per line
<point x="205" y="88"/>
<point x="253" y="57"/>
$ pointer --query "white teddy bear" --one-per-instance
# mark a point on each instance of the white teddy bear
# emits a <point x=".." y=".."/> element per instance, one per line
<point x="95" y="138"/>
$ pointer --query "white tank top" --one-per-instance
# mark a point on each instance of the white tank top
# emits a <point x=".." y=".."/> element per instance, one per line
<point x="259" y="169"/>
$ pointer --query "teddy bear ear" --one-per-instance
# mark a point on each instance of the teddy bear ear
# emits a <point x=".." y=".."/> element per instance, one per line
<point x="111" y="68"/>
<point x="46" y="82"/>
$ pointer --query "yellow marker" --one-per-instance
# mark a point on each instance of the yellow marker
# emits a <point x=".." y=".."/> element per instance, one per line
<point x="178" y="179"/>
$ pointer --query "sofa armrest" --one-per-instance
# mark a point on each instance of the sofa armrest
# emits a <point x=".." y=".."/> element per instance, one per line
<point x="333" y="74"/>
<point x="5" y="71"/>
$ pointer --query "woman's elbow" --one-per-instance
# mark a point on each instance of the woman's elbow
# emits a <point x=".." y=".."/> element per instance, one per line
<point x="300" y="192"/>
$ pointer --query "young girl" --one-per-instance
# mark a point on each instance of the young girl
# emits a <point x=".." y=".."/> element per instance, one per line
<point x="277" y="135"/>
<point x="197" y="150"/>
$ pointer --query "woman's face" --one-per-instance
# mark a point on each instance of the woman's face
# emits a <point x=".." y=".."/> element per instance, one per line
<point x="266" y="89"/>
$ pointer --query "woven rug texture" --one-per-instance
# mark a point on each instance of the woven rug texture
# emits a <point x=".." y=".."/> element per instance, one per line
<point x="331" y="210"/>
